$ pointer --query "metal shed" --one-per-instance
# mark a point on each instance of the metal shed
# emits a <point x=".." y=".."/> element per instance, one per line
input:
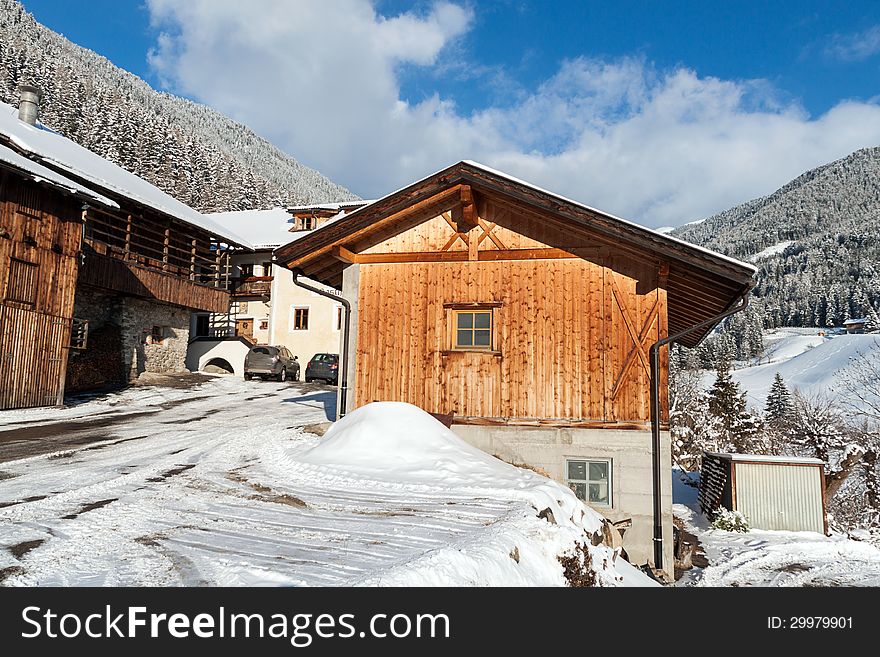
<point x="773" y="492"/>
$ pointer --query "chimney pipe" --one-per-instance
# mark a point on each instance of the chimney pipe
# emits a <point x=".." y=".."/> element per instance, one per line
<point x="29" y="104"/>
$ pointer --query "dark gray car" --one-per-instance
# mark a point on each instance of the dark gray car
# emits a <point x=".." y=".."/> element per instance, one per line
<point x="271" y="362"/>
<point x="325" y="367"/>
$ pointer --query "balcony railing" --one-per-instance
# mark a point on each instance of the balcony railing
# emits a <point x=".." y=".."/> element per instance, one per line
<point x="252" y="286"/>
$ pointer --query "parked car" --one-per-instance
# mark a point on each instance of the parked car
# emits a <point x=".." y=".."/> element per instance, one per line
<point x="324" y="367"/>
<point x="266" y="362"/>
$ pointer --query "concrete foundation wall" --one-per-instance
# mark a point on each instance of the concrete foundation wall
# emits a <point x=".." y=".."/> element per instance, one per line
<point x="631" y="483"/>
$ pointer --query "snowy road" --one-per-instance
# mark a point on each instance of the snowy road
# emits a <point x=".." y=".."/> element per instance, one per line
<point x="206" y="492"/>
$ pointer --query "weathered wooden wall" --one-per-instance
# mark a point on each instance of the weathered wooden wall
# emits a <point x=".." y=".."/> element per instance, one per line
<point x="108" y="273"/>
<point x="40" y="233"/>
<point x="572" y="332"/>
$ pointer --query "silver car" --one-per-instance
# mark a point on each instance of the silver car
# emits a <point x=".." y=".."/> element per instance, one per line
<point x="267" y="362"/>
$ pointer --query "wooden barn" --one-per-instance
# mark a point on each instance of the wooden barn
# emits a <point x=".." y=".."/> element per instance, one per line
<point x="99" y="270"/>
<point x="526" y="319"/>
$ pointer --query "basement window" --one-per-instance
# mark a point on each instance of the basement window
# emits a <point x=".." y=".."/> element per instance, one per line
<point x="590" y="480"/>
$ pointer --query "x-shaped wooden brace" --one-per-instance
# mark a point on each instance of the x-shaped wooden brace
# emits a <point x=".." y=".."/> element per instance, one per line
<point x="457" y="235"/>
<point x="638" y="350"/>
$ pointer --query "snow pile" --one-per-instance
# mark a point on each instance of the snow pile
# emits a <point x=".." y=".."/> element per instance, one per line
<point x="398" y="447"/>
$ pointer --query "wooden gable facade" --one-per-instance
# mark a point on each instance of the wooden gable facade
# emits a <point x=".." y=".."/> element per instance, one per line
<point x="573" y="299"/>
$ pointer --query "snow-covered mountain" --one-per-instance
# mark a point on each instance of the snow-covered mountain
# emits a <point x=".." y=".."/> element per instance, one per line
<point x="188" y="150"/>
<point x="816" y="241"/>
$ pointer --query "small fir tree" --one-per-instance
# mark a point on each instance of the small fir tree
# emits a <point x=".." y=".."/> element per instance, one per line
<point x="778" y="409"/>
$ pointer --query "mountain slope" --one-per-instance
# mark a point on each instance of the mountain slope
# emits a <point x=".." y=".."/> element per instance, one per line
<point x="816" y="242"/>
<point x="188" y="150"/>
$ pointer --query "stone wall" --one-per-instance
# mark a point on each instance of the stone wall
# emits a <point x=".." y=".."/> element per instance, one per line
<point x="144" y="352"/>
<point x="121" y="344"/>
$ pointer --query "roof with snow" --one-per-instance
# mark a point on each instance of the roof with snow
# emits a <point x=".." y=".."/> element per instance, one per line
<point x="264" y="229"/>
<point x="701" y="283"/>
<point x="92" y="170"/>
<point x="331" y="207"/>
<point x="38" y="173"/>
<point x="854" y="321"/>
<point x="763" y="458"/>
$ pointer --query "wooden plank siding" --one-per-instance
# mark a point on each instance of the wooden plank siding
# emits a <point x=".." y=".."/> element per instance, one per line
<point x="40" y="233"/>
<point x="130" y="279"/>
<point x="557" y="355"/>
<point x="33" y="357"/>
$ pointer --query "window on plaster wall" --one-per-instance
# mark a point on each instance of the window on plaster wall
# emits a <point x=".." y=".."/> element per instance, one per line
<point x="590" y="479"/>
<point x="203" y="326"/>
<point x="299" y="318"/>
<point x="337" y="318"/>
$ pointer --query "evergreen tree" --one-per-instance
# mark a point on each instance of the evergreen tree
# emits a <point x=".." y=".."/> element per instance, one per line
<point x="778" y="409"/>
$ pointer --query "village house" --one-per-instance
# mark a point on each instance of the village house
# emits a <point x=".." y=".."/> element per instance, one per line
<point x="528" y="322"/>
<point x="99" y="270"/>
<point x="266" y="307"/>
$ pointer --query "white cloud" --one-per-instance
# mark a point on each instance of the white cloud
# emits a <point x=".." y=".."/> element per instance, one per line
<point x="660" y="147"/>
<point x="855" y="47"/>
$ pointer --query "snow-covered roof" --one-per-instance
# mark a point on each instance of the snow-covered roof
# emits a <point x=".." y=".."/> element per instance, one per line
<point x="761" y="458"/>
<point x="860" y="320"/>
<point x="57" y="151"/>
<point x="331" y="207"/>
<point x="39" y="173"/>
<point x="264" y="229"/>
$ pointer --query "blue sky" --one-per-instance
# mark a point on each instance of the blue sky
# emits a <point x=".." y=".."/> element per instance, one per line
<point x="659" y="111"/>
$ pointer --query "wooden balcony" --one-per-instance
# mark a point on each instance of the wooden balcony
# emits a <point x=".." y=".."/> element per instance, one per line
<point x="251" y="287"/>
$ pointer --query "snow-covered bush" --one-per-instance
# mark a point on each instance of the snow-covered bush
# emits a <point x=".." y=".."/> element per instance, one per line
<point x="730" y="521"/>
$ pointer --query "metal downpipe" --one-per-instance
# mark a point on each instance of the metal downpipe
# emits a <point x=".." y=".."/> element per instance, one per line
<point x="655" y="419"/>
<point x="343" y="368"/>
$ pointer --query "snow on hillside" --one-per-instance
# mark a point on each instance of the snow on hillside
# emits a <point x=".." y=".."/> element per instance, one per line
<point x="200" y="494"/>
<point x="811" y="364"/>
<point x="773" y="250"/>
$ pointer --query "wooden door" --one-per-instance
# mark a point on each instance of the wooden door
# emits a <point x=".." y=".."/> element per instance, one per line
<point x="33" y="358"/>
<point x="244" y="328"/>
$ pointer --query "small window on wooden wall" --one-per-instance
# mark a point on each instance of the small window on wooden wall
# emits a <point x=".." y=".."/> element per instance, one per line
<point x="472" y="326"/>
<point x="473" y="329"/>
<point x="21" y="286"/>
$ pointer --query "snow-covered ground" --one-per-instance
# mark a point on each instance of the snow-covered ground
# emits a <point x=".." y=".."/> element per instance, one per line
<point x="772" y="558"/>
<point x="220" y="485"/>
<point x="808" y="362"/>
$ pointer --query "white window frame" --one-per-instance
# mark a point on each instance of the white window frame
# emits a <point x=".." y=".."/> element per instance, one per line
<point x="587" y="460"/>
<point x="292" y="318"/>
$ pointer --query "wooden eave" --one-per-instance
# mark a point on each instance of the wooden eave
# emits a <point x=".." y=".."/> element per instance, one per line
<point x="700" y="284"/>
